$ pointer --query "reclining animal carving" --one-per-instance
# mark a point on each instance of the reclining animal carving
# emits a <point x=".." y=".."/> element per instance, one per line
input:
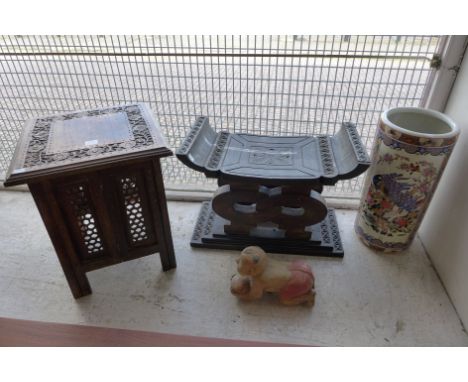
<point x="292" y="281"/>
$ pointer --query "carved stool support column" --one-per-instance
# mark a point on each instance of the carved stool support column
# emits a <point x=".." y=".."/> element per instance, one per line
<point x="280" y="211"/>
<point x="269" y="188"/>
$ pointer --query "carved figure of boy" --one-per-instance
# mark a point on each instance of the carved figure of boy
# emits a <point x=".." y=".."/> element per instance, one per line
<point x="292" y="281"/>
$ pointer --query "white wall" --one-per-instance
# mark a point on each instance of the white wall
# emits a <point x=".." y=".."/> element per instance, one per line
<point x="444" y="230"/>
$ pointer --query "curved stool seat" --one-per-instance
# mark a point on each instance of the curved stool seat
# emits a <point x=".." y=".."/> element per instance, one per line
<point x="270" y="187"/>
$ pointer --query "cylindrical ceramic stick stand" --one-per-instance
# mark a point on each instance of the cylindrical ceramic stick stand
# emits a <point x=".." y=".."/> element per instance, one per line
<point x="411" y="148"/>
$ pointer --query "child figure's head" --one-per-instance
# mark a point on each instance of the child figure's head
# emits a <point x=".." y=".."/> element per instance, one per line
<point x="252" y="261"/>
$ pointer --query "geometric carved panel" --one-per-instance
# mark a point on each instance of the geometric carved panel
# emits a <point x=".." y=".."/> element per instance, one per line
<point x="134" y="210"/>
<point x="77" y="196"/>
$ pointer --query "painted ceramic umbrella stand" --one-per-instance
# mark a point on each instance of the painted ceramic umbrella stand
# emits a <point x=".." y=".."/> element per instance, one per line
<point x="411" y="149"/>
<point x="270" y="188"/>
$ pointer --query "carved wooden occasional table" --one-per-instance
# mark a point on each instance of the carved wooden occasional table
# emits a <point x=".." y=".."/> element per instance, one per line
<point x="96" y="179"/>
<point x="269" y="188"/>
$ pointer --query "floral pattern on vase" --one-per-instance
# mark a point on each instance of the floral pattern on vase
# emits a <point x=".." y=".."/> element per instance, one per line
<point x="399" y="185"/>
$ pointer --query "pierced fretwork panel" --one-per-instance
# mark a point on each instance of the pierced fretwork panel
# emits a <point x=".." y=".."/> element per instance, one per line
<point x="138" y="226"/>
<point x="78" y="198"/>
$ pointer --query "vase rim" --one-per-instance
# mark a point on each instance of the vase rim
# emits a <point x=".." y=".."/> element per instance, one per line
<point x="454" y="130"/>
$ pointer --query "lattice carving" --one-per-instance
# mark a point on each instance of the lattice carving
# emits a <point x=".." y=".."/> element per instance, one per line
<point x="36" y="152"/>
<point x="134" y="210"/>
<point x="78" y="197"/>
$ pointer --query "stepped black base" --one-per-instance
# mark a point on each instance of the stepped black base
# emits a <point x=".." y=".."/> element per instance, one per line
<point x="325" y="238"/>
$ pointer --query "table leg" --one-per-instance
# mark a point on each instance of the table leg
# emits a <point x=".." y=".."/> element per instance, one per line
<point x="56" y="227"/>
<point x="168" y="260"/>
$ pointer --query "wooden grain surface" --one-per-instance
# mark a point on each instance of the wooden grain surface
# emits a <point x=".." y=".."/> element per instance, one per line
<point x="14" y="332"/>
<point x="60" y="144"/>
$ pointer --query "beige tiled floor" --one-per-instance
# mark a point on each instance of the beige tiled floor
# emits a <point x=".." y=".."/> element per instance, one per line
<point x="365" y="299"/>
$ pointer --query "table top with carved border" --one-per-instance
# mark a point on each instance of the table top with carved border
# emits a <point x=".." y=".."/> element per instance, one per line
<point x="62" y="143"/>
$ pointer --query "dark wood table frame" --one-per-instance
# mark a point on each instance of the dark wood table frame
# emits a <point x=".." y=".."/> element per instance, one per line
<point x="103" y="204"/>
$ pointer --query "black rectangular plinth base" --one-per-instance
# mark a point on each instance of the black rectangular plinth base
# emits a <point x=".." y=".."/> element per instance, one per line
<point x="325" y="237"/>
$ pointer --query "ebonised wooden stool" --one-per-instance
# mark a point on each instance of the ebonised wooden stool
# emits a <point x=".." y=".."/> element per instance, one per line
<point x="96" y="179"/>
<point x="269" y="188"/>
